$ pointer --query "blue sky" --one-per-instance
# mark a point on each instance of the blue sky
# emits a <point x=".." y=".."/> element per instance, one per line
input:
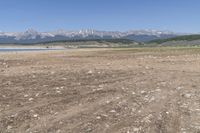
<point x="120" y="15"/>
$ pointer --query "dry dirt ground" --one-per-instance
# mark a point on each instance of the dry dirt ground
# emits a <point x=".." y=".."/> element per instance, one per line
<point x="144" y="90"/>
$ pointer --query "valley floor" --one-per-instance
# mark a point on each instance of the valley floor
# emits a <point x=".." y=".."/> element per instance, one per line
<point x="140" y="90"/>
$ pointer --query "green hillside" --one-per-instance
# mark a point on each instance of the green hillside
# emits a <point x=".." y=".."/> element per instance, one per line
<point x="94" y="43"/>
<point x="179" y="38"/>
<point x="125" y="41"/>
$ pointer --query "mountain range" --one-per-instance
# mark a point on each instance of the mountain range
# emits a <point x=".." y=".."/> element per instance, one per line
<point x="33" y="36"/>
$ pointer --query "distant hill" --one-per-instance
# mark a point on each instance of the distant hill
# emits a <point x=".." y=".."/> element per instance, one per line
<point x="146" y="38"/>
<point x="97" y="43"/>
<point x="178" y="38"/>
<point x="124" y="41"/>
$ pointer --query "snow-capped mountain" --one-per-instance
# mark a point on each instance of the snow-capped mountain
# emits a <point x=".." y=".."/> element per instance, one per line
<point x="33" y="36"/>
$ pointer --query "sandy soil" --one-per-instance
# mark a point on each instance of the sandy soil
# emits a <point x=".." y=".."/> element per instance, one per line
<point x="101" y="91"/>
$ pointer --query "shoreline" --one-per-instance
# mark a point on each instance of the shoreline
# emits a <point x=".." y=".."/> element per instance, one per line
<point x="30" y="47"/>
<point x="22" y="48"/>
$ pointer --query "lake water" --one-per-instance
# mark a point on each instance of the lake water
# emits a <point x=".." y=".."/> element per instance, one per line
<point x="22" y="49"/>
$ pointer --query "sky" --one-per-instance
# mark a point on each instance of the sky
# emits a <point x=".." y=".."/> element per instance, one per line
<point x="109" y="15"/>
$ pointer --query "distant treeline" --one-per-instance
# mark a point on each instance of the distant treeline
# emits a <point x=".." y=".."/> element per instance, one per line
<point x="125" y="41"/>
<point x="178" y="38"/>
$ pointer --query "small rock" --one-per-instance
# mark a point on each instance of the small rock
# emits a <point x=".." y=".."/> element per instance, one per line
<point x="9" y="127"/>
<point x="13" y="116"/>
<point x="101" y="86"/>
<point x="58" y="92"/>
<point x="52" y="73"/>
<point x="133" y="93"/>
<point x="58" y="131"/>
<point x="98" y="89"/>
<point x="152" y="99"/>
<point x="35" y="115"/>
<point x="30" y="99"/>
<point x="104" y="115"/>
<point x="136" y="129"/>
<point x="37" y="94"/>
<point x="98" y="117"/>
<point x="107" y="126"/>
<point x="187" y="95"/>
<point x="107" y="102"/>
<point x="133" y="109"/>
<point x="117" y="98"/>
<point x="25" y="95"/>
<point x="45" y="85"/>
<point x="158" y="90"/>
<point x="89" y="130"/>
<point x="90" y="72"/>
<point x="113" y="111"/>
<point x="179" y="88"/>
<point x="197" y="109"/>
<point x="55" y="113"/>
